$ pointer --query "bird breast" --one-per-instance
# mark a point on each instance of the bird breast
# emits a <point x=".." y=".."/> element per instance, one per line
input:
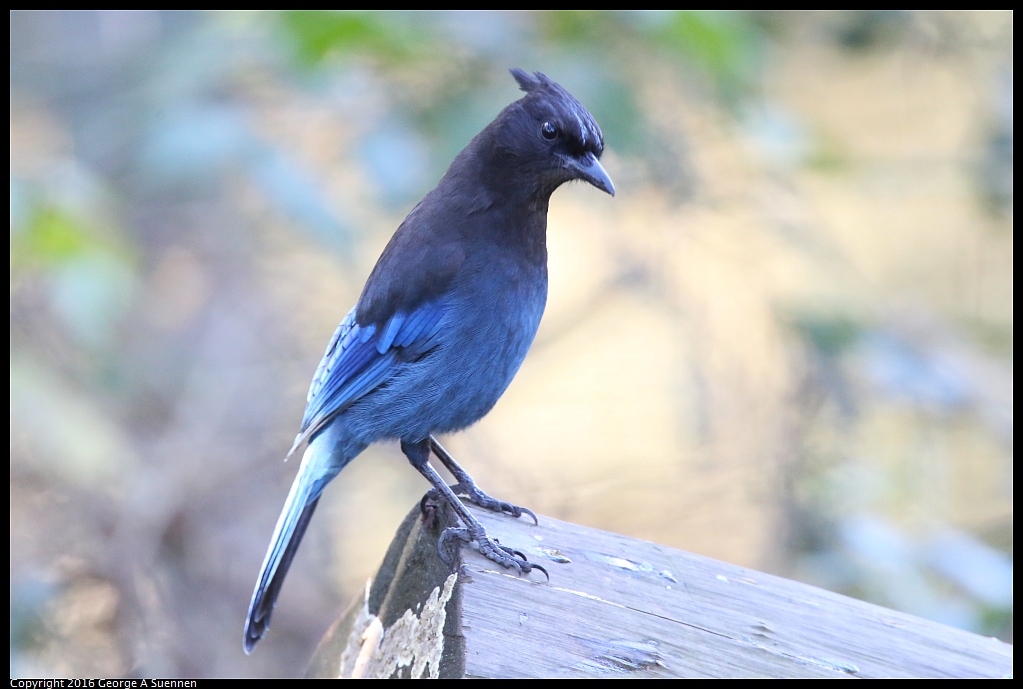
<point x="490" y="322"/>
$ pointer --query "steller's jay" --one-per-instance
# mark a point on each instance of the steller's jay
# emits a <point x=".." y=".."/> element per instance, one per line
<point x="444" y="321"/>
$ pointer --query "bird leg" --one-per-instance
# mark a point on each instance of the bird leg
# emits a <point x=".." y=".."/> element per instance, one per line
<point x="473" y="532"/>
<point x="467" y="487"/>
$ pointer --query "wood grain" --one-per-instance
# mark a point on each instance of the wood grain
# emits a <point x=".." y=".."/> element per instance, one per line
<point x="620" y="607"/>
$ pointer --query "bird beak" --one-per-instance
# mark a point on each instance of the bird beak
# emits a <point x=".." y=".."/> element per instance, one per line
<point x="589" y="168"/>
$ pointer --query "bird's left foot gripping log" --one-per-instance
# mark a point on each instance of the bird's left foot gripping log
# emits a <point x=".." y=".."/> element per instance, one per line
<point x="473" y="532"/>
<point x="465" y="486"/>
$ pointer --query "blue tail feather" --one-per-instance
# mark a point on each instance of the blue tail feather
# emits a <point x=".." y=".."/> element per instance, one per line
<point x="319" y="467"/>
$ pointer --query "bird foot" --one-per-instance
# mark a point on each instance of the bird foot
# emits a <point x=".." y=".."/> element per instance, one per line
<point x="466" y="487"/>
<point x="477" y="497"/>
<point x="490" y="548"/>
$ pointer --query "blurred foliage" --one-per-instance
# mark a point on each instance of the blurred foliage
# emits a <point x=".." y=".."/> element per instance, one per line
<point x="830" y="336"/>
<point x="728" y="45"/>
<point x="386" y="36"/>
<point x="90" y="274"/>
<point x="812" y="250"/>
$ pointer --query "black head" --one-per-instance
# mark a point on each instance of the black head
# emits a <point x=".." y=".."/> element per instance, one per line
<point x="563" y="131"/>
<point x="548" y="137"/>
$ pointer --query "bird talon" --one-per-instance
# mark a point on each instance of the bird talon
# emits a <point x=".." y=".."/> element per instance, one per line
<point x="532" y="566"/>
<point x="467" y="488"/>
<point x="488" y="547"/>
<point x="481" y="499"/>
<point x="442" y="543"/>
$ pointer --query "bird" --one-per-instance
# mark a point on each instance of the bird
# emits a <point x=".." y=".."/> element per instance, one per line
<point x="443" y="323"/>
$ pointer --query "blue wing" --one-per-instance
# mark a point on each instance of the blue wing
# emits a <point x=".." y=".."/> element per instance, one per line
<point x="359" y="358"/>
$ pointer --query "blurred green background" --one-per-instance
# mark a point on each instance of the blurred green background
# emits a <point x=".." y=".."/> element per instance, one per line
<point x="786" y="343"/>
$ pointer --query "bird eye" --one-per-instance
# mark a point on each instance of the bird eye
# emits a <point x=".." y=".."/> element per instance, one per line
<point x="549" y="131"/>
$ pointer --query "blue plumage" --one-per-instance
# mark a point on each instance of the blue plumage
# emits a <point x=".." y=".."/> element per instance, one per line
<point x="444" y="321"/>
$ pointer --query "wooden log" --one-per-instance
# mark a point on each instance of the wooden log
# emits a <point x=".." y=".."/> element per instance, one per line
<point x="620" y="607"/>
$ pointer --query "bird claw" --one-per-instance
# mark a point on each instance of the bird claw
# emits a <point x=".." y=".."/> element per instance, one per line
<point x="541" y="569"/>
<point x="490" y="548"/>
<point x="479" y="498"/>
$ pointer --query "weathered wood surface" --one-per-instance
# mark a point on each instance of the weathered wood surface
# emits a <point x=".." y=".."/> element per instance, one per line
<point x="619" y="607"/>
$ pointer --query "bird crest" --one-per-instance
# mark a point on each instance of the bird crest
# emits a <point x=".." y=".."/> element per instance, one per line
<point x="568" y="109"/>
